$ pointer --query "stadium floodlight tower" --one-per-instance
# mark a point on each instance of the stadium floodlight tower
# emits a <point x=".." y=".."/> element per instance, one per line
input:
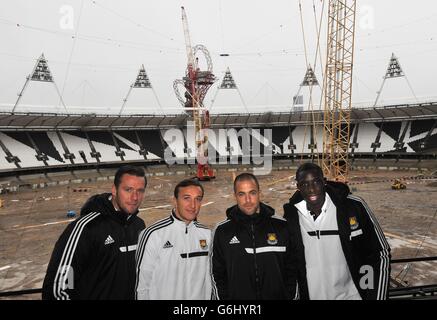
<point x="197" y="83"/>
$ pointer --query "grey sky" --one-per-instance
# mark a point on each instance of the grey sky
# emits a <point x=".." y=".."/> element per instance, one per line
<point x="263" y="38"/>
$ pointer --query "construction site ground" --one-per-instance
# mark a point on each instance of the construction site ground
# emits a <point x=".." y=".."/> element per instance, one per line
<point x="31" y="220"/>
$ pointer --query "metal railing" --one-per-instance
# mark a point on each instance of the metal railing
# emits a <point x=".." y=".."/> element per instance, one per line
<point x="423" y="292"/>
<point x="401" y="290"/>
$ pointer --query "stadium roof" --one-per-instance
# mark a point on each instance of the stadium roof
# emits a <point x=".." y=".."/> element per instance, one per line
<point x="52" y="121"/>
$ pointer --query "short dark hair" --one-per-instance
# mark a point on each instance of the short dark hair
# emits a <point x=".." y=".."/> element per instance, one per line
<point x="187" y="183"/>
<point x="244" y="177"/>
<point x="130" y="170"/>
<point x="308" y="166"/>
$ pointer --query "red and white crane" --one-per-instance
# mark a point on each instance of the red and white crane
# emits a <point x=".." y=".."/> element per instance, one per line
<point x="196" y="84"/>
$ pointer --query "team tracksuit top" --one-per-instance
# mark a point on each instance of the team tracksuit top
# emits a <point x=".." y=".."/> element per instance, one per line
<point x="94" y="257"/>
<point x="362" y="241"/>
<point x="253" y="257"/>
<point x="172" y="261"/>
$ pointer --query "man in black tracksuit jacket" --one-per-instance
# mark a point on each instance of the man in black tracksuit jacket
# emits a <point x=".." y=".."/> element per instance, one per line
<point x="252" y="256"/>
<point x="94" y="257"/>
<point x="362" y="240"/>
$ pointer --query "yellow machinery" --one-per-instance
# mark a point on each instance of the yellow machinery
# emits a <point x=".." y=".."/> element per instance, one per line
<point x="398" y="184"/>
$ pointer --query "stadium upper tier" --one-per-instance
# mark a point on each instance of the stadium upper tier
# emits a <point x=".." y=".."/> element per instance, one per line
<point x="47" y="140"/>
<point x="55" y="121"/>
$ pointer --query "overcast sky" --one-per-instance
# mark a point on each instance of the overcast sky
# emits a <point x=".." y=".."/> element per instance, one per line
<point x="95" y="49"/>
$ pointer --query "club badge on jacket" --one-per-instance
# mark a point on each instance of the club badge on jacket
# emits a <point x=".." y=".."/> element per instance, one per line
<point x="353" y="223"/>
<point x="203" y="244"/>
<point x="271" y="238"/>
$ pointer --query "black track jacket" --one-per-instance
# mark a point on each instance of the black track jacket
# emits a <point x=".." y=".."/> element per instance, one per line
<point x="94" y="257"/>
<point x="362" y="241"/>
<point x="252" y="257"/>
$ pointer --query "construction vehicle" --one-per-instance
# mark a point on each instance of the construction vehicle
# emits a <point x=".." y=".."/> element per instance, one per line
<point x="71" y="214"/>
<point x="398" y="184"/>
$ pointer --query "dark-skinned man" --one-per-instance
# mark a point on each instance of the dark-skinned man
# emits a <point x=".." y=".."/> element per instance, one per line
<point x="343" y="253"/>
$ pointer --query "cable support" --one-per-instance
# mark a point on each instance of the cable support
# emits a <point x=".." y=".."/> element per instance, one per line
<point x="96" y="39"/>
<point x="71" y="53"/>
<point x="310" y="102"/>
<point x="137" y="24"/>
<point x="411" y="88"/>
<point x="303" y="34"/>
<point x="319" y="30"/>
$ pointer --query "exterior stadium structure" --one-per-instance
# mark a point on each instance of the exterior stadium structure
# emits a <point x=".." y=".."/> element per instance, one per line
<point x="43" y="142"/>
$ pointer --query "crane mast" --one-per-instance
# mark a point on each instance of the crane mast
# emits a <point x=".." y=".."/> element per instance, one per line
<point x="189" y="48"/>
<point x="338" y="88"/>
<point x="197" y="83"/>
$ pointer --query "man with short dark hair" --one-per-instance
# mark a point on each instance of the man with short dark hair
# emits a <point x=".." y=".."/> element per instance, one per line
<point x="94" y="257"/>
<point x="245" y="176"/>
<point x="343" y="253"/>
<point x="253" y="257"/>
<point x="172" y="258"/>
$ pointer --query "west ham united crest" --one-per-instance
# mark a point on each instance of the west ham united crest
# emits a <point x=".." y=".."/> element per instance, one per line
<point x="203" y="244"/>
<point x="271" y="238"/>
<point x="353" y="223"/>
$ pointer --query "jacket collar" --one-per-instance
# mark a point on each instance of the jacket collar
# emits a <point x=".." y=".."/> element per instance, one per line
<point x="180" y="222"/>
<point x="122" y="215"/>
<point x="103" y="203"/>
<point x="302" y="206"/>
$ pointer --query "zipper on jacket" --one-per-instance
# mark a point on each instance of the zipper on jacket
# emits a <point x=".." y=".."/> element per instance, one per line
<point x="258" y="296"/>
<point x="126" y="256"/>
<point x="187" y="246"/>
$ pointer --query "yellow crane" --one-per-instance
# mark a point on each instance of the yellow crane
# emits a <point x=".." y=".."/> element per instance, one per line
<point x="338" y="88"/>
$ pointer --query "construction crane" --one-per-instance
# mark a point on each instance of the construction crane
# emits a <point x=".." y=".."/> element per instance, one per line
<point x="338" y="88"/>
<point x="197" y="83"/>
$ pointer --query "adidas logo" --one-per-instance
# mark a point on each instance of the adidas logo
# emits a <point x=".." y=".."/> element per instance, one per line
<point x="168" y="245"/>
<point x="109" y="240"/>
<point x="234" y="240"/>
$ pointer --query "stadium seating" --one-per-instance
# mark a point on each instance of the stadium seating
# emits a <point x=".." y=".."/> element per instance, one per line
<point x="33" y="149"/>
